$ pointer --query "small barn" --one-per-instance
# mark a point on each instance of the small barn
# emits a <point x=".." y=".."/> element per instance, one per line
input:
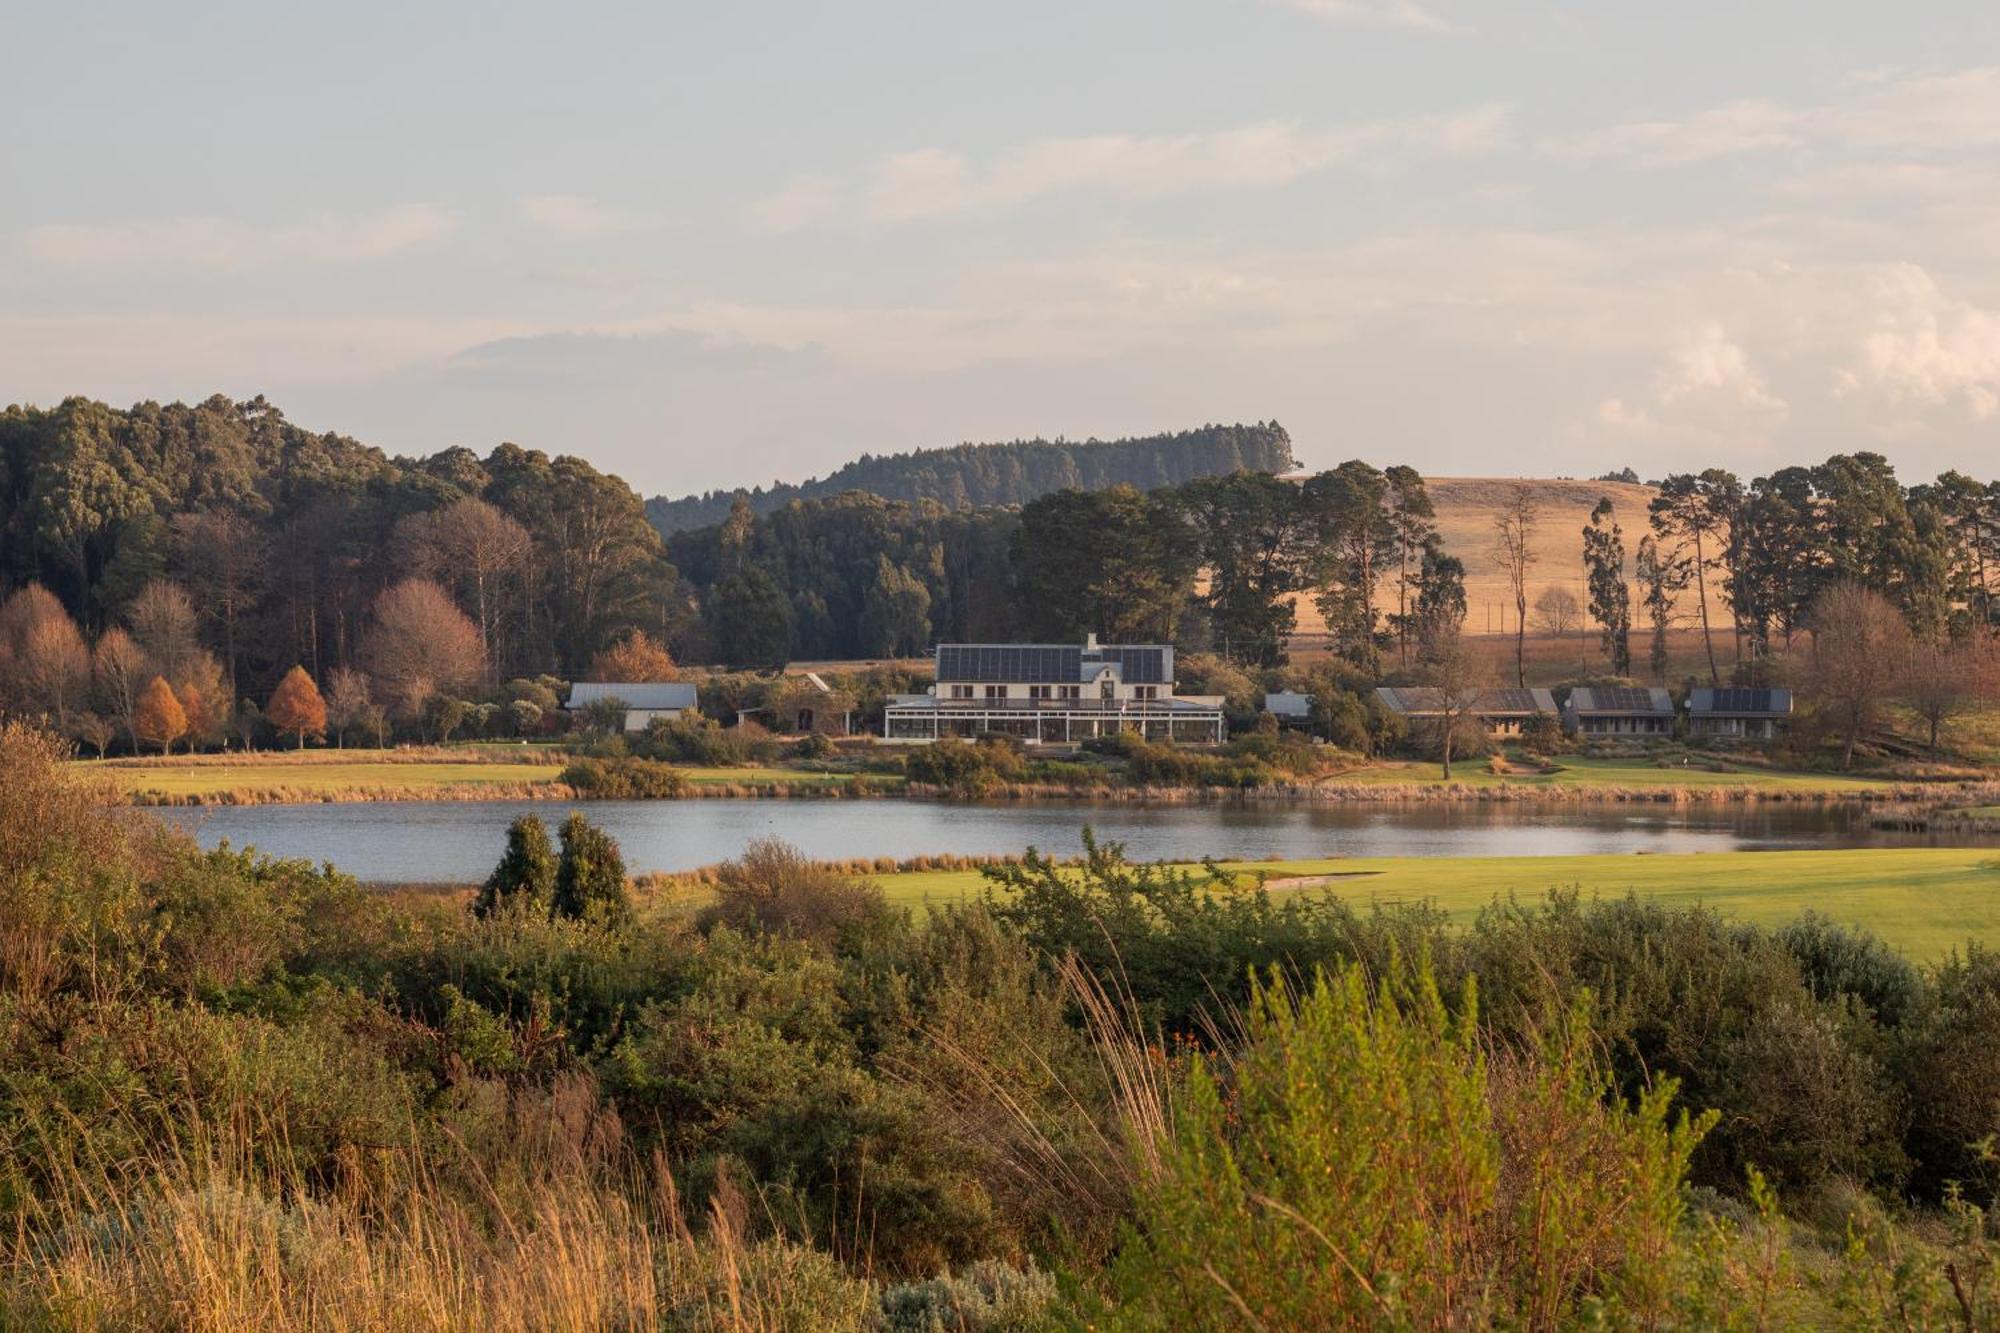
<point x="1291" y="708"/>
<point x="643" y="700"/>
<point x="1619" y="710"/>
<point x="1749" y="714"/>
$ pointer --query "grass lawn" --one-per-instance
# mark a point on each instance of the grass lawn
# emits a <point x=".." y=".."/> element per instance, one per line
<point x="318" y="774"/>
<point x="1924" y="901"/>
<point x="1578" y="773"/>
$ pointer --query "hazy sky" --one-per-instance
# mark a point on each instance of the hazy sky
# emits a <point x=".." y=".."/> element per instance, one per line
<point x="726" y="243"/>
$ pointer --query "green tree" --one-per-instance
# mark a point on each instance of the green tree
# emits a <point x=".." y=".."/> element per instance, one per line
<point x="1355" y="538"/>
<point x="526" y="874"/>
<point x="1254" y="540"/>
<point x="750" y="619"/>
<point x="1663" y="577"/>
<point x="1413" y="519"/>
<point x="1112" y="562"/>
<point x="590" y="877"/>
<point x="1697" y="513"/>
<point x="896" y="617"/>
<point x="1610" y="598"/>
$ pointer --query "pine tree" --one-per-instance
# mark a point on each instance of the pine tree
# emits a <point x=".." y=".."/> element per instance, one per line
<point x="526" y="873"/>
<point x="590" y="878"/>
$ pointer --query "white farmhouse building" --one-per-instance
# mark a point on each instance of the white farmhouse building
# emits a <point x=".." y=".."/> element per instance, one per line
<point x="1056" y="693"/>
<point x="643" y="701"/>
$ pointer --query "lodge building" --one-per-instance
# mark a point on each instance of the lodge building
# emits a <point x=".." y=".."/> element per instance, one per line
<point x="1054" y="694"/>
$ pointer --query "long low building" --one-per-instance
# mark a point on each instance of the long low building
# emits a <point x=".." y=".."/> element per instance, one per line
<point x="1619" y="710"/>
<point x="1053" y="693"/>
<point x="1501" y="712"/>
<point x="1749" y="713"/>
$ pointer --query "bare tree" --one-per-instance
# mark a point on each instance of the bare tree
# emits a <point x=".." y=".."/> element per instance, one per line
<point x="1859" y="649"/>
<point x="1455" y="675"/>
<point x="473" y="548"/>
<point x="1943" y="680"/>
<point x="348" y="702"/>
<point x="162" y="620"/>
<point x="1514" y="546"/>
<point x="47" y="666"/>
<point x="420" y="643"/>
<point x="118" y="670"/>
<point x="1559" y="612"/>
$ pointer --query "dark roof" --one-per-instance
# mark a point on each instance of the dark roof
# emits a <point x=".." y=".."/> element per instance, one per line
<point x="1740" y="702"/>
<point x="1648" y="700"/>
<point x="1052" y="663"/>
<point x="1412" y="699"/>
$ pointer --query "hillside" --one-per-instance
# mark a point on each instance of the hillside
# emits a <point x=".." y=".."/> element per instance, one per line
<point x="977" y="475"/>
<point x="1466" y="510"/>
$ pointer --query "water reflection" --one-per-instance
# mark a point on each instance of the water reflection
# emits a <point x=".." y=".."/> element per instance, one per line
<point x="459" y="841"/>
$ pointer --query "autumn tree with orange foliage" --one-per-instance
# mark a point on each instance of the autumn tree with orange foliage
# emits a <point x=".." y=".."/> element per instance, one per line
<point x="296" y="706"/>
<point x="634" y="659"/>
<point x="158" y="718"/>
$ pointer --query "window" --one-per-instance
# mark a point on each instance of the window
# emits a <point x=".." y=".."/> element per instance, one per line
<point x="1041" y="691"/>
<point x="1146" y="691"/>
<point x="996" y="691"/>
<point x="961" y="691"/>
<point x="1072" y="691"/>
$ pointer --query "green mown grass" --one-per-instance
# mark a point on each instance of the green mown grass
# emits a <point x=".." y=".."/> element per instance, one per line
<point x="1923" y="901"/>
<point x="1576" y="773"/>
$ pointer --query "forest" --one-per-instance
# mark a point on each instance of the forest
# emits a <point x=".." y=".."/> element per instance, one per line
<point x="979" y="476"/>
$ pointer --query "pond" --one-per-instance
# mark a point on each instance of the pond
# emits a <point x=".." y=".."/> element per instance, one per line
<point x="458" y="841"/>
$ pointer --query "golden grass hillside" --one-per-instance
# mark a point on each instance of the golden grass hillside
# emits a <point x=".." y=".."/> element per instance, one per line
<point x="1466" y="509"/>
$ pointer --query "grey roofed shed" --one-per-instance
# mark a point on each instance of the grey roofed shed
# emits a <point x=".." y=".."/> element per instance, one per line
<point x="1737" y="702"/>
<point x="1288" y="704"/>
<point x="640" y="696"/>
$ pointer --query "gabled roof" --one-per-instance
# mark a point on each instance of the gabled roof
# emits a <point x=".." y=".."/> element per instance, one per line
<point x="1737" y="702"/>
<point x="634" y="694"/>
<point x="1414" y="700"/>
<point x="1053" y="663"/>
<point x="1622" y="700"/>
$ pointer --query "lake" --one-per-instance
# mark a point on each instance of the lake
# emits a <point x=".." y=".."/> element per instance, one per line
<point x="458" y="841"/>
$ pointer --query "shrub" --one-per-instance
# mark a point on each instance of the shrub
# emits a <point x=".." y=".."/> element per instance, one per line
<point x="985" y="1297"/>
<point x="771" y="887"/>
<point x="625" y="779"/>
<point x="590" y="877"/>
<point x="526" y="875"/>
<point x="965" y="768"/>
<point x="1361" y="1163"/>
<point x="1951" y="1067"/>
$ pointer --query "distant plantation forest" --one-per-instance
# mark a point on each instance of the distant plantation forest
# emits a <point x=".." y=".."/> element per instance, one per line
<point x="981" y="475"/>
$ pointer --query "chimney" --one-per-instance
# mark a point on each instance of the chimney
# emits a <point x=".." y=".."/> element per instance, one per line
<point x="1090" y="643"/>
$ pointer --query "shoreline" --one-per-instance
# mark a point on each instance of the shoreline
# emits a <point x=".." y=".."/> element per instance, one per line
<point x="1928" y="795"/>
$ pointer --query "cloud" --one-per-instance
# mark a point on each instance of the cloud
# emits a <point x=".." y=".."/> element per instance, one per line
<point x="576" y="217"/>
<point x="1926" y="347"/>
<point x="1953" y="112"/>
<point x="1373" y="13"/>
<point x="217" y="244"/>
<point x="1739" y="127"/>
<point x="931" y="184"/>
<point x="802" y="201"/>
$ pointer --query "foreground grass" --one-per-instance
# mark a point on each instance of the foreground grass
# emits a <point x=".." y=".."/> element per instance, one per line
<point x="1923" y="901"/>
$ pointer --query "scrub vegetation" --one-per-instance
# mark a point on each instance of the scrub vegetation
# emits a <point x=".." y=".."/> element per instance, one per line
<point x="244" y="1093"/>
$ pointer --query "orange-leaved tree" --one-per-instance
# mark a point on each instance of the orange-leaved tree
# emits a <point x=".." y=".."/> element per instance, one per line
<point x="634" y="659"/>
<point x="157" y="718"/>
<point x="296" y="707"/>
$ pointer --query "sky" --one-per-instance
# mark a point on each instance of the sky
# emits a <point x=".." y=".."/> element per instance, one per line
<point x="717" y="245"/>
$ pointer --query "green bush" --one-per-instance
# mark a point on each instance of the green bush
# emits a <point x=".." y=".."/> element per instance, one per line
<point x="690" y="739"/>
<point x="626" y="779"/>
<point x="1363" y="1162"/>
<point x="965" y="768"/>
<point x="590" y="877"/>
<point x="773" y="888"/>
<point x="525" y="879"/>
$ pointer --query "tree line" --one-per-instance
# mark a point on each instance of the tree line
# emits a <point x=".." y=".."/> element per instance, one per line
<point x="1216" y="562"/>
<point x="1771" y="550"/>
<point x="284" y="543"/>
<point x="976" y="476"/>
